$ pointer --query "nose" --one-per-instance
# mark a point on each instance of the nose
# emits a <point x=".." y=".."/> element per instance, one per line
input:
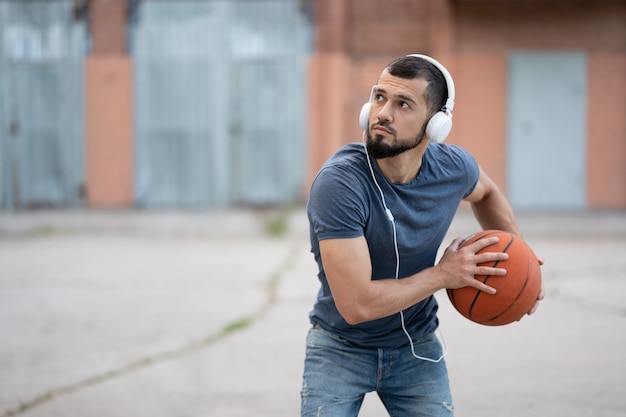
<point x="385" y="113"/>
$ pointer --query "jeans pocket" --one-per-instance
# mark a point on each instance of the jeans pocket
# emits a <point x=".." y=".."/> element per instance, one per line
<point x="319" y="336"/>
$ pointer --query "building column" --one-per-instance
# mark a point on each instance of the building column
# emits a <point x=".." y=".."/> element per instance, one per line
<point x="108" y="108"/>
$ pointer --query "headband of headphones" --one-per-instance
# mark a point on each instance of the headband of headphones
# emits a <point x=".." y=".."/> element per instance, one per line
<point x="446" y="75"/>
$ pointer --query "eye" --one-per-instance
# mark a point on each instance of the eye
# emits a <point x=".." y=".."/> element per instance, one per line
<point x="378" y="97"/>
<point x="405" y="105"/>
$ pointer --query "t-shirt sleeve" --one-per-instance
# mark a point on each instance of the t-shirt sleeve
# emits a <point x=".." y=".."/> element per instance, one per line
<point x="336" y="205"/>
<point x="469" y="168"/>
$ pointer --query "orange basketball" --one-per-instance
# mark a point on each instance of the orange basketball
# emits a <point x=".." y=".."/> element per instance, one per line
<point x="517" y="291"/>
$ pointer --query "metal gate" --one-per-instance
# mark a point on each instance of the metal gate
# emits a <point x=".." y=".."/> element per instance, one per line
<point x="41" y="104"/>
<point x="219" y="102"/>
<point x="547" y="130"/>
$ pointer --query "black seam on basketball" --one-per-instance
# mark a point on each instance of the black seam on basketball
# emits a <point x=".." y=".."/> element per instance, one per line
<point x="471" y="308"/>
<point x="495" y="264"/>
<point x="519" y="294"/>
<point x="510" y="305"/>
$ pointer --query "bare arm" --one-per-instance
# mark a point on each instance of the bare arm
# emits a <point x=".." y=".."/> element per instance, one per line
<point x="359" y="298"/>
<point x="493" y="211"/>
<point x="490" y="206"/>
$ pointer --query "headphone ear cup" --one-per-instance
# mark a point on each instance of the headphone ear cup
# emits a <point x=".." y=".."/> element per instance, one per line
<point x="439" y="127"/>
<point x="364" y="116"/>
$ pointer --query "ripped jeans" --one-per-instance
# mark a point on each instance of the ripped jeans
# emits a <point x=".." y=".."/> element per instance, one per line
<point x="338" y="374"/>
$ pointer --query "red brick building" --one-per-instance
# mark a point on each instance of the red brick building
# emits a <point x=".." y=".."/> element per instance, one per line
<point x="540" y="86"/>
<point x="483" y="43"/>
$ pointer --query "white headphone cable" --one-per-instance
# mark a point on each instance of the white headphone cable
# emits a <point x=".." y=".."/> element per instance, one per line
<point x="395" y="245"/>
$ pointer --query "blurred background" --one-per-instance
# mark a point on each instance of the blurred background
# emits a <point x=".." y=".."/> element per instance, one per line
<point x="221" y="103"/>
<point x="155" y="157"/>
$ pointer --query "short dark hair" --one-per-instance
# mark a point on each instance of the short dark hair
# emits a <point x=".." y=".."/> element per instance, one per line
<point x="412" y="67"/>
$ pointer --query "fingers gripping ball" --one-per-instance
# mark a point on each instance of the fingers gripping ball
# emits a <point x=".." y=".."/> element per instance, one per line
<point x="517" y="291"/>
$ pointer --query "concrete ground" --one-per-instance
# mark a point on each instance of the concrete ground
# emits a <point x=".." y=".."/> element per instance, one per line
<point x="127" y="314"/>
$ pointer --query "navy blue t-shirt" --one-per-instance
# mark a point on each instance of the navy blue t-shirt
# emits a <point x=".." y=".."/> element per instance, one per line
<point x="345" y="203"/>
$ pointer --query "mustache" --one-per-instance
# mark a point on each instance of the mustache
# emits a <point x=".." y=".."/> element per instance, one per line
<point x="384" y="124"/>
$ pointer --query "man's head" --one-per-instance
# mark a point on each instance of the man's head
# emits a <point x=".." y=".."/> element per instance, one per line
<point x="410" y="90"/>
<point x="411" y="67"/>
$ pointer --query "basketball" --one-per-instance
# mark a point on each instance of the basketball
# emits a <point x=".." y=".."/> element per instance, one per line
<point x="516" y="292"/>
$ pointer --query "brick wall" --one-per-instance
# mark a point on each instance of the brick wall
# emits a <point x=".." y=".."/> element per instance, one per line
<point x="355" y="39"/>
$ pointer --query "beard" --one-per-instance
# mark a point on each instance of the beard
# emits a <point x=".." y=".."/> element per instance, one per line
<point x="378" y="149"/>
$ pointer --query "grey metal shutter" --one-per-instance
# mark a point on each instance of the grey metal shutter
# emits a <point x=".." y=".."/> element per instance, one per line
<point x="219" y="102"/>
<point x="42" y="49"/>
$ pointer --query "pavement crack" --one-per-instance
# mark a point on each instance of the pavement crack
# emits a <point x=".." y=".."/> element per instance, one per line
<point x="271" y="298"/>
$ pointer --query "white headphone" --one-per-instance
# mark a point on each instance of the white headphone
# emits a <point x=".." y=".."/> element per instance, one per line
<point x="440" y="124"/>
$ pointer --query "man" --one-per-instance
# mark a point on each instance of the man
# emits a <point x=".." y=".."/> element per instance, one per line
<point x="378" y="213"/>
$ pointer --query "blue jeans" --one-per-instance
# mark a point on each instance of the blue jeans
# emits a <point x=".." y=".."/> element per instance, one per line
<point x="338" y="374"/>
